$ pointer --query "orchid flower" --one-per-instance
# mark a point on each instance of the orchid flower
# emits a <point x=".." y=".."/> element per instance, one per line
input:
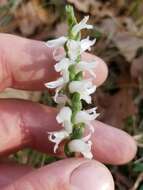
<point x="82" y="146"/>
<point x="78" y="47"/>
<point x="57" y="137"/>
<point x="86" y="116"/>
<point x="60" y="98"/>
<point x="85" y="88"/>
<point x="63" y="66"/>
<point x="59" y="42"/>
<point x="56" y="83"/>
<point x="87" y="66"/>
<point x="82" y="25"/>
<point x="64" y="118"/>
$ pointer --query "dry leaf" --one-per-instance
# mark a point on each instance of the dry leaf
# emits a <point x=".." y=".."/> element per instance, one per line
<point x="20" y="94"/>
<point x="118" y="107"/>
<point x="137" y="68"/>
<point x="128" y="44"/>
<point x="93" y="7"/>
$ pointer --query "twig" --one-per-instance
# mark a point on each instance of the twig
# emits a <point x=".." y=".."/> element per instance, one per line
<point x="137" y="182"/>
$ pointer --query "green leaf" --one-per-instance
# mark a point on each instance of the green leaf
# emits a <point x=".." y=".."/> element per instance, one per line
<point x="141" y="187"/>
<point x="138" y="167"/>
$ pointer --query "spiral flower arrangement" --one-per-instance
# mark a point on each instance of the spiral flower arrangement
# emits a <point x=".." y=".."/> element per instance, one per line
<point x="71" y="89"/>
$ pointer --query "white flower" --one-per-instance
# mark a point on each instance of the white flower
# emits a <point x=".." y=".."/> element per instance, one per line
<point x="63" y="64"/>
<point x="57" y="137"/>
<point x="58" y="54"/>
<point x="86" y="116"/>
<point x="75" y="48"/>
<point x="81" y="25"/>
<point x="54" y="84"/>
<point x="86" y="44"/>
<point x="60" y="98"/>
<point x="82" y="146"/>
<point x="64" y="118"/>
<point x="85" y="88"/>
<point x="57" y="42"/>
<point x="87" y="66"/>
<point x="62" y="67"/>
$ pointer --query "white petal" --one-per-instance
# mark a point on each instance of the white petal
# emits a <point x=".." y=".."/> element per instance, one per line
<point x="57" y="137"/>
<point x="58" y="54"/>
<point x="62" y="65"/>
<point x="91" y="89"/>
<point x="86" y="98"/>
<point x="82" y="25"/>
<point x="55" y="84"/>
<point x="86" y="44"/>
<point x="73" y="49"/>
<point x="64" y="117"/>
<point x="57" y="42"/>
<point x="84" y="88"/>
<point x="60" y="98"/>
<point x="93" y="113"/>
<point x="85" y="116"/>
<point x="57" y="94"/>
<point x="64" y="114"/>
<point x="87" y="66"/>
<point x="65" y="74"/>
<point x="92" y="110"/>
<point x="82" y="147"/>
<point x="83" y="65"/>
<point x="82" y="117"/>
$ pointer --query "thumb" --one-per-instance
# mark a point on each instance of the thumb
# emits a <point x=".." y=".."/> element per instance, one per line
<point x="69" y="174"/>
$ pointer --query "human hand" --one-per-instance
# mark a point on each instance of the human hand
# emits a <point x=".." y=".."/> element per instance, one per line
<point x="28" y="64"/>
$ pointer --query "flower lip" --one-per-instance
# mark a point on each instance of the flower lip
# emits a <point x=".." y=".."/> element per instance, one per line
<point x="87" y="66"/>
<point x="57" y="42"/>
<point x="55" y="84"/>
<point x="64" y="118"/>
<point x="81" y="25"/>
<point x="84" y="87"/>
<point x="57" y="137"/>
<point x="79" y="145"/>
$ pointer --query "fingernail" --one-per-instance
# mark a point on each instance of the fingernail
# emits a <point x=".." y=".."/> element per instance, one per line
<point x="92" y="175"/>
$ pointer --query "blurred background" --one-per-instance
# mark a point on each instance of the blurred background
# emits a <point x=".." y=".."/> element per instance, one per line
<point x="119" y="33"/>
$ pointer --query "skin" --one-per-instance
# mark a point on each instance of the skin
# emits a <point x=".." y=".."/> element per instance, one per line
<point x="28" y="64"/>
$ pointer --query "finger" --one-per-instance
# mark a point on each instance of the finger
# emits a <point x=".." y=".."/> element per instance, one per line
<point x="25" y="124"/>
<point x="28" y="64"/>
<point x="101" y="71"/>
<point x="70" y="174"/>
<point x="112" y="145"/>
<point x="9" y="172"/>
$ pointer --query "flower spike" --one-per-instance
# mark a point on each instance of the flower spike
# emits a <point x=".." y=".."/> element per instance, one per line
<point x="71" y="89"/>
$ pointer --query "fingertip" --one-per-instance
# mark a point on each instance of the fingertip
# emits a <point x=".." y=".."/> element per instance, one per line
<point x="112" y="145"/>
<point x="87" y="175"/>
<point x="101" y="71"/>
